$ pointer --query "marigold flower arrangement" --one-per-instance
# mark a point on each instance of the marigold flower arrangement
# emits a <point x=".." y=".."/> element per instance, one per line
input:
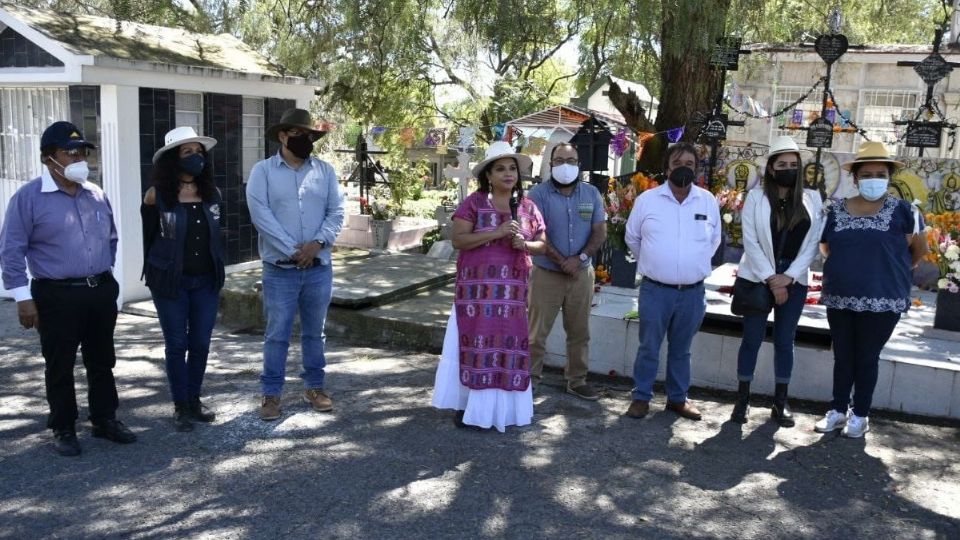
<point x="619" y="201"/>
<point x="943" y="237"/>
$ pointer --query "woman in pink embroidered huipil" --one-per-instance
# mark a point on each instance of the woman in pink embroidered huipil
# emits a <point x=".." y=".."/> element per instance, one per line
<point x="484" y="371"/>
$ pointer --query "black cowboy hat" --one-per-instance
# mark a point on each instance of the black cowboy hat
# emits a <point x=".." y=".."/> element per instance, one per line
<point x="292" y="118"/>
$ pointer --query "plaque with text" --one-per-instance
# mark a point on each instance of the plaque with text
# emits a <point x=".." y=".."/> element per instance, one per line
<point x="933" y="69"/>
<point x="820" y="134"/>
<point x="831" y="48"/>
<point x="716" y="127"/>
<point x="726" y="54"/>
<point x="924" y="134"/>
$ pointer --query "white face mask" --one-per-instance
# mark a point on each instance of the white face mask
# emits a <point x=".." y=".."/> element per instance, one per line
<point x="873" y="189"/>
<point x="565" y="174"/>
<point x="77" y="172"/>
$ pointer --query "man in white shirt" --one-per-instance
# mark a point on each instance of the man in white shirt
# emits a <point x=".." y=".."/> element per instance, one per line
<point x="673" y="231"/>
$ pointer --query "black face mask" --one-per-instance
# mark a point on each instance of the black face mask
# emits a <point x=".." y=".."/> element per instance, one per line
<point x="785" y="177"/>
<point x="300" y="146"/>
<point x="192" y="164"/>
<point x="682" y="177"/>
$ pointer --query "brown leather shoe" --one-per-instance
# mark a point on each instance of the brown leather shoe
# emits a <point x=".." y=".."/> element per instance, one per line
<point x="270" y="408"/>
<point x="685" y="409"/>
<point x="318" y="399"/>
<point x="638" y="409"/>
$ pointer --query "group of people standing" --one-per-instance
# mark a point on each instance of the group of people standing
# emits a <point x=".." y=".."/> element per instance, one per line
<point x="60" y="226"/>
<point x="505" y="299"/>
<point x="523" y="260"/>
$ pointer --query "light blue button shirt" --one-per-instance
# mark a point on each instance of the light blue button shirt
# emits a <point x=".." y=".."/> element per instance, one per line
<point x="293" y="206"/>
<point x="569" y="219"/>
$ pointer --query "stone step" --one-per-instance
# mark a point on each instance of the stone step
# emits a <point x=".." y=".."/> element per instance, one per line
<point x="360" y="280"/>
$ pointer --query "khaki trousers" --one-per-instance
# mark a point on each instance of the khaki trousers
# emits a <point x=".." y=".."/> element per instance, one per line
<point x="551" y="292"/>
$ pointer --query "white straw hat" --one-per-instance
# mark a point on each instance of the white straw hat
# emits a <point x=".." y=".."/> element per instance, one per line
<point x="782" y="145"/>
<point x="500" y="150"/>
<point x="183" y="135"/>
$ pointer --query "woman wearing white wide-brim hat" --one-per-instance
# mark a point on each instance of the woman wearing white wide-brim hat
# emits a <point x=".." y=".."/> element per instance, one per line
<point x="781" y="229"/>
<point x="183" y="263"/>
<point x="871" y="242"/>
<point x="484" y="370"/>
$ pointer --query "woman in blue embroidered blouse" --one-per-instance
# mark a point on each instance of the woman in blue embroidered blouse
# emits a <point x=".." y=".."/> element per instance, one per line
<point x="183" y="264"/>
<point x="870" y="243"/>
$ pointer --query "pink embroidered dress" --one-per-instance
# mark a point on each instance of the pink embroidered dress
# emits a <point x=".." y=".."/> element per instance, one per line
<point x="485" y="365"/>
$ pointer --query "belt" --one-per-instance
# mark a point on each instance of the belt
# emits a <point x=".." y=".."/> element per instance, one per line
<point x="291" y="262"/>
<point x="89" y="281"/>
<point x="670" y="286"/>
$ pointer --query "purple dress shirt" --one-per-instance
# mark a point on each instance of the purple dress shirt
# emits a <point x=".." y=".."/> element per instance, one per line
<point x="56" y="235"/>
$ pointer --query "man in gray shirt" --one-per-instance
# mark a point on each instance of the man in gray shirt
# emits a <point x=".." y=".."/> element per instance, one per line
<point x="296" y="206"/>
<point x="563" y="278"/>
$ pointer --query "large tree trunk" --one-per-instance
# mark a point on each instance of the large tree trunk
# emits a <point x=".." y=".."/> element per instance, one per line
<point x="689" y="30"/>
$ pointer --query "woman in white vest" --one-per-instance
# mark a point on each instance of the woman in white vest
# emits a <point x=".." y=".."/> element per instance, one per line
<point x="781" y="230"/>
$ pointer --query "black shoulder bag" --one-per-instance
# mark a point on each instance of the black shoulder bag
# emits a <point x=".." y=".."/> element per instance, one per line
<point x="752" y="298"/>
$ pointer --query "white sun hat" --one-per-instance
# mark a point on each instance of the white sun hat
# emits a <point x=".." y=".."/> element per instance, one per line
<point x="183" y="135"/>
<point x="782" y="145"/>
<point x="499" y="150"/>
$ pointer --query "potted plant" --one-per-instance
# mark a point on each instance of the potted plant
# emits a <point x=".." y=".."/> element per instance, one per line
<point x="618" y="201"/>
<point x="943" y="236"/>
<point x="381" y="223"/>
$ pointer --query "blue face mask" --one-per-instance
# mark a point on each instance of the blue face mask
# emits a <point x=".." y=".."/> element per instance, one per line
<point x="873" y="189"/>
<point x="192" y="164"/>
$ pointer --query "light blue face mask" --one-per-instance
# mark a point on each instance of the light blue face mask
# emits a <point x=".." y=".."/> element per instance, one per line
<point x="873" y="189"/>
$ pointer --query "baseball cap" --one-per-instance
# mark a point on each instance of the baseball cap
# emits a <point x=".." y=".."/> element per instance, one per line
<point x="63" y="135"/>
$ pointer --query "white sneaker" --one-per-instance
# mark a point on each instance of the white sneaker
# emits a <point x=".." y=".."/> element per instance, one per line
<point x="856" y="426"/>
<point x="831" y="421"/>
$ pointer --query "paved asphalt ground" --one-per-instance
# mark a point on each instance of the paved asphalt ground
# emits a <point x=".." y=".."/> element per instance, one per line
<point x="385" y="464"/>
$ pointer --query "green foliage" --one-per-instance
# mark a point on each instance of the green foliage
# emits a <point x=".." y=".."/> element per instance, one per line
<point x="406" y="182"/>
<point x="430" y="238"/>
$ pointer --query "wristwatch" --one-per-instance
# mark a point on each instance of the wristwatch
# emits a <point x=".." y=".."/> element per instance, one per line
<point x="583" y="257"/>
<point x="322" y="243"/>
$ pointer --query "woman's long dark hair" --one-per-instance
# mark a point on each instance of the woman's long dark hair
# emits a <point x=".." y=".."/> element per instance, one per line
<point x="484" y="180"/>
<point x="794" y="212"/>
<point x="165" y="178"/>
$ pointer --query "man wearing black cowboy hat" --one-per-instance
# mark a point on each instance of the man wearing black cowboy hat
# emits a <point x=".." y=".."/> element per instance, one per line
<point x="296" y="206"/>
<point x="60" y="226"/>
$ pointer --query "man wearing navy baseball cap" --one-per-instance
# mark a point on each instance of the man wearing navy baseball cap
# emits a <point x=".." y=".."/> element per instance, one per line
<point x="60" y="227"/>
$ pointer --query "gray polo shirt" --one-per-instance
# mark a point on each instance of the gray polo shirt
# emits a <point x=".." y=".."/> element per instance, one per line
<point x="569" y="219"/>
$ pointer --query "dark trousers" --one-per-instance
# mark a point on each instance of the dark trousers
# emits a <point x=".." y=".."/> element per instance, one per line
<point x="858" y="338"/>
<point x="187" y="322"/>
<point x="71" y="318"/>
<point x="786" y="316"/>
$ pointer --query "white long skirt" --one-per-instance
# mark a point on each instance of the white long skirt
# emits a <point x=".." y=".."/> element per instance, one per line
<point x="484" y="408"/>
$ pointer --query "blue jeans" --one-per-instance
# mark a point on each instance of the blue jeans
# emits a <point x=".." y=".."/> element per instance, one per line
<point x="858" y="338"/>
<point x="187" y="322"/>
<point x="785" y="319"/>
<point x="676" y="315"/>
<point x="285" y="292"/>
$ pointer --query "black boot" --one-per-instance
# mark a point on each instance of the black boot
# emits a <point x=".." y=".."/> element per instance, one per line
<point x="781" y="410"/>
<point x="199" y="412"/>
<point x="181" y="417"/>
<point x="742" y="406"/>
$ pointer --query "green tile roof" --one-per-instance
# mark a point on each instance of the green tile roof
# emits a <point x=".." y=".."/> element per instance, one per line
<point x="99" y="37"/>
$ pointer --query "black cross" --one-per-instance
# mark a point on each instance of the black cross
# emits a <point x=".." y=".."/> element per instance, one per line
<point x="829" y="47"/>
<point x="367" y="169"/>
<point x="725" y="57"/>
<point x="932" y="70"/>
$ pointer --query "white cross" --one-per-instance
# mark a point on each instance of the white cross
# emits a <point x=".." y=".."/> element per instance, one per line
<point x="461" y="173"/>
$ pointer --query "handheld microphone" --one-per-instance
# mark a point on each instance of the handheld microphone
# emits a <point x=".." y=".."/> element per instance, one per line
<point x="514" y="205"/>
